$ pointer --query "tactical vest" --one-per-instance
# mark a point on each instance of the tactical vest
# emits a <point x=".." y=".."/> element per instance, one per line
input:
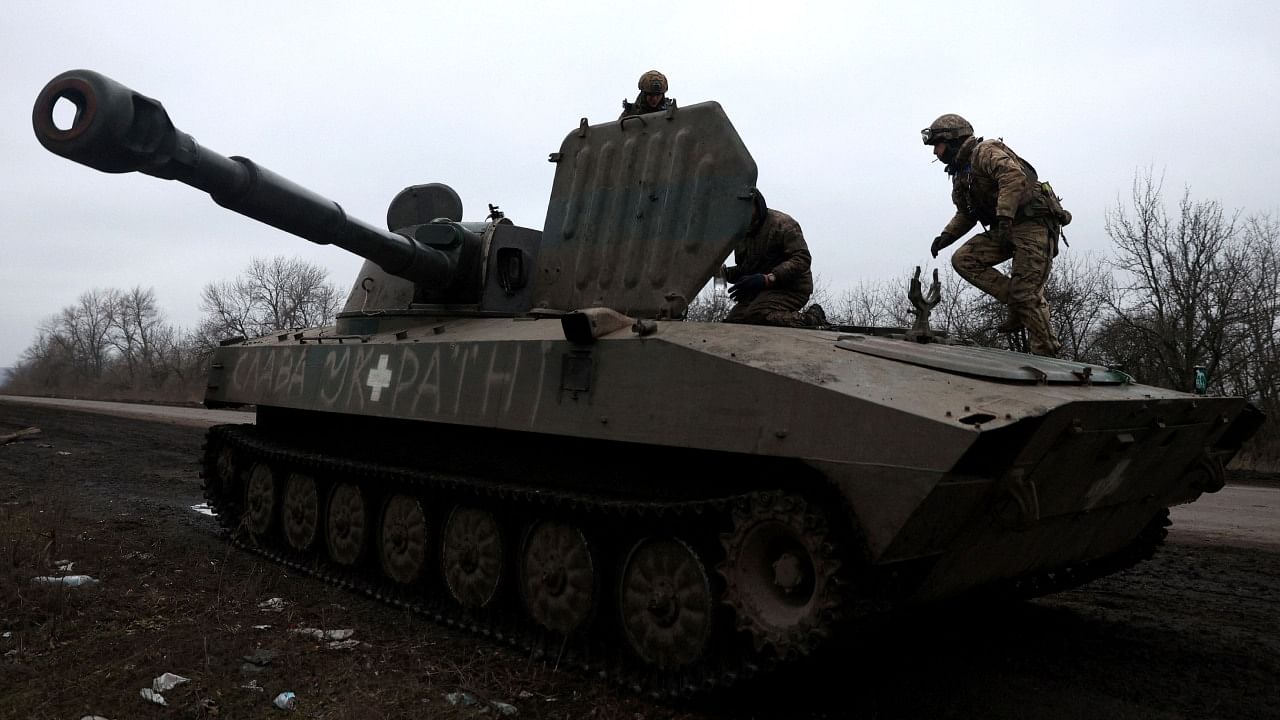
<point x="1039" y="202"/>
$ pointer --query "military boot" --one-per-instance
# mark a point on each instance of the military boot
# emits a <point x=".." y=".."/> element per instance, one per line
<point x="816" y="315"/>
<point x="1011" y="324"/>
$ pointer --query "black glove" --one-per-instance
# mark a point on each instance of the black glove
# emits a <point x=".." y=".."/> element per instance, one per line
<point x="747" y="288"/>
<point x="940" y="242"/>
<point x="1003" y="229"/>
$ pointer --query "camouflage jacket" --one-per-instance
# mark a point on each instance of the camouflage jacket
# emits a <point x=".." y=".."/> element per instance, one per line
<point x="639" y="108"/>
<point x="988" y="180"/>
<point x="777" y="247"/>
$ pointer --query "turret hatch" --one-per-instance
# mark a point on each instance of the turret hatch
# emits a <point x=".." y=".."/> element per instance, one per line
<point x="643" y="211"/>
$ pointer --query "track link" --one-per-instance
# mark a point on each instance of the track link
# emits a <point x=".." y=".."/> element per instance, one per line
<point x="614" y="524"/>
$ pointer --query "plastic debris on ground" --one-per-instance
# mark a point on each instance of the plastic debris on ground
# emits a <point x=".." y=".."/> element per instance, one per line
<point x="25" y="432"/>
<point x="261" y="627"/>
<point x="63" y="452"/>
<point x="252" y="685"/>
<point x="65" y="580"/>
<point x="273" y="605"/>
<point x="286" y="701"/>
<point x="319" y="634"/>
<point x="466" y="699"/>
<point x="344" y="644"/>
<point x="152" y="696"/>
<point x="204" y="509"/>
<point x="167" y="681"/>
<point x="460" y="698"/>
<point x="7" y="635"/>
<point x="65" y="566"/>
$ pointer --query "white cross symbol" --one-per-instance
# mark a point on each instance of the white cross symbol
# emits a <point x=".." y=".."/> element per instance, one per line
<point x="379" y="378"/>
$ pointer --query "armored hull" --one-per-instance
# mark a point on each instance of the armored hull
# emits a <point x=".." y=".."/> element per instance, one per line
<point x="513" y="430"/>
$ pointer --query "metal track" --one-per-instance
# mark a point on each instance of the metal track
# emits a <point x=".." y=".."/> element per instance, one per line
<point x="617" y="524"/>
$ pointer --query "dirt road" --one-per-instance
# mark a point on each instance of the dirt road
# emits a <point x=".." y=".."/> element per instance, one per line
<point x="1195" y="633"/>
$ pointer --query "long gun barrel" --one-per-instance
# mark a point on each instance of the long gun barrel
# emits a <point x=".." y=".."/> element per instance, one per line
<point x="118" y="130"/>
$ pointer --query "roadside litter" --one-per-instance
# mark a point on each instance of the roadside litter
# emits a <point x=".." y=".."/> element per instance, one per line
<point x="160" y="684"/>
<point x="65" y="580"/>
<point x="286" y="701"/>
<point x="466" y="699"/>
<point x="168" y="681"/>
<point x="25" y="432"/>
<point x="338" y="639"/>
<point x="319" y="634"/>
<point x="273" y="605"/>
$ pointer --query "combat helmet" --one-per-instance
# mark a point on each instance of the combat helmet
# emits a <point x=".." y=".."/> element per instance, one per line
<point x="947" y="128"/>
<point x="653" y="83"/>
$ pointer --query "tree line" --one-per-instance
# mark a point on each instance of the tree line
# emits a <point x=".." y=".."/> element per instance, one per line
<point x="1184" y="287"/>
<point x="117" y="344"/>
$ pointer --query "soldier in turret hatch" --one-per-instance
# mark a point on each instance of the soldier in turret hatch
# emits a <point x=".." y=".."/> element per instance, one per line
<point x="652" y="97"/>
<point x="771" y="281"/>
<point x="1021" y="217"/>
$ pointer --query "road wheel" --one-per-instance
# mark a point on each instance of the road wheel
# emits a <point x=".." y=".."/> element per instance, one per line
<point x="260" y="500"/>
<point x="665" y="602"/>
<point x="345" y="524"/>
<point x="301" y="511"/>
<point x="403" y="549"/>
<point x="557" y="576"/>
<point x="471" y="555"/>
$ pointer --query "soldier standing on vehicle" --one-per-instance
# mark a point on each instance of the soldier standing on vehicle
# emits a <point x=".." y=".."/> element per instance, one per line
<point x="771" y="280"/>
<point x="1021" y="218"/>
<point x="652" y="97"/>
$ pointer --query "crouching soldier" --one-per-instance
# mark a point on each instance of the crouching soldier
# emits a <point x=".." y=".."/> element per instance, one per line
<point x="771" y="281"/>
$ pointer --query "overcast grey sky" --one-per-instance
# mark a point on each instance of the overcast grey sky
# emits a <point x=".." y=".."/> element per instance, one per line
<point x="358" y="100"/>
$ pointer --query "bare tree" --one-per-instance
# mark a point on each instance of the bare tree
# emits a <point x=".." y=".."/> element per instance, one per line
<point x="1256" y="371"/>
<point x="270" y="295"/>
<point x="1077" y="293"/>
<point x="710" y="305"/>
<point x="1185" y="288"/>
<point x="870" y="304"/>
<point x="85" y="327"/>
<point x="140" y="336"/>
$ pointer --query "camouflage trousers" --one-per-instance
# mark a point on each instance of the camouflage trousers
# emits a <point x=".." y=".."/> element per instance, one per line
<point x="772" y="307"/>
<point x="1023" y="289"/>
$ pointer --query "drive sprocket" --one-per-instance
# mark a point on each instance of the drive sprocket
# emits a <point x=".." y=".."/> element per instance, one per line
<point x="780" y="570"/>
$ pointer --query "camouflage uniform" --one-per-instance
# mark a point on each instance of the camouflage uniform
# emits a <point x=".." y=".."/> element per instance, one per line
<point x="989" y="181"/>
<point x="640" y="108"/>
<point x="775" y="246"/>
<point x="650" y="83"/>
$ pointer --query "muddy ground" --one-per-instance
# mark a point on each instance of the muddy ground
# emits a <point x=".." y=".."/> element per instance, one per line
<point x="1195" y="633"/>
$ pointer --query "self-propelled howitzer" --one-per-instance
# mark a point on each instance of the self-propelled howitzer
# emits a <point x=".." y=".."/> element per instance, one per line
<point x="512" y="429"/>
